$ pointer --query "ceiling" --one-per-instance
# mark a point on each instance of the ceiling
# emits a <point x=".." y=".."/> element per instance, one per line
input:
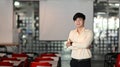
<point x="110" y="7"/>
<point x="100" y="6"/>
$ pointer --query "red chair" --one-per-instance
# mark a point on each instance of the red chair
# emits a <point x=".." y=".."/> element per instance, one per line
<point x="19" y="55"/>
<point x="26" y="62"/>
<point x="41" y="64"/>
<point x="6" y="58"/>
<point x="48" y="54"/>
<point x="117" y="64"/>
<point x="43" y="59"/>
<point x="6" y="64"/>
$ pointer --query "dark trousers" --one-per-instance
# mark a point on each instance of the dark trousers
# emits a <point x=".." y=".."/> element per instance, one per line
<point x="80" y="63"/>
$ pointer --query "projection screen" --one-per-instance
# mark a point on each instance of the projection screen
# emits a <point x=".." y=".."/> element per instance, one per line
<point x="56" y="17"/>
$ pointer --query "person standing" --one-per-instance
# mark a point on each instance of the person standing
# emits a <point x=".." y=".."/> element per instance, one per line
<point x="79" y="41"/>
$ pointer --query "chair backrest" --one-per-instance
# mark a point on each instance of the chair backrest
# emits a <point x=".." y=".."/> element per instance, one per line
<point x="40" y="64"/>
<point x="22" y="55"/>
<point x="6" y="58"/>
<point x="6" y="64"/>
<point x="48" y="54"/>
<point x="19" y="55"/>
<point x="117" y="64"/>
<point x="43" y="59"/>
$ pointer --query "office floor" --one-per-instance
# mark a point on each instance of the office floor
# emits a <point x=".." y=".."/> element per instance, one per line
<point x="65" y="63"/>
<point x="97" y="60"/>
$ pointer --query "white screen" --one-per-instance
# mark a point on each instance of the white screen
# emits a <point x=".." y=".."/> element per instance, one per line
<point x="56" y="17"/>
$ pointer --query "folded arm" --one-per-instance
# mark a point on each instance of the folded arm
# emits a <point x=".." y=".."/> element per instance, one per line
<point x="84" y="44"/>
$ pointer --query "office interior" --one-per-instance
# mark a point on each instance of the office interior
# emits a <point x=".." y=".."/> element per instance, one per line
<point x="30" y="27"/>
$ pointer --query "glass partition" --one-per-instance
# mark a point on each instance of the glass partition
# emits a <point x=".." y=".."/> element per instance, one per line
<point x="106" y="26"/>
<point x="27" y="22"/>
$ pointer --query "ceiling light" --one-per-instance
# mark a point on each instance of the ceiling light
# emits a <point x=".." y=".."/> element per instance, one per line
<point x="17" y="4"/>
<point x="117" y="5"/>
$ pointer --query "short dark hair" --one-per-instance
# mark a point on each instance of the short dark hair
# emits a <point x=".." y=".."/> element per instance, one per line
<point x="79" y="15"/>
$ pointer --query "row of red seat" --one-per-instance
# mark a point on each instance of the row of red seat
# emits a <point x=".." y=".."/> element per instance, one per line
<point x="43" y="60"/>
<point x="11" y="61"/>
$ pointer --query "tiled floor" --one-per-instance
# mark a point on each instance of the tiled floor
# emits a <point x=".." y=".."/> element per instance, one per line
<point x="97" y="60"/>
<point x="66" y="63"/>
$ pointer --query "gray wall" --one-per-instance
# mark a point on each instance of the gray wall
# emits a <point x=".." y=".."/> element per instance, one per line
<point x="6" y="21"/>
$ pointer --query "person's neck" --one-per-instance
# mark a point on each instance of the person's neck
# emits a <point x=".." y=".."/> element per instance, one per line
<point x="79" y="29"/>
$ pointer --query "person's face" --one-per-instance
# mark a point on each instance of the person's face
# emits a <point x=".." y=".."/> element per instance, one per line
<point x="79" y="22"/>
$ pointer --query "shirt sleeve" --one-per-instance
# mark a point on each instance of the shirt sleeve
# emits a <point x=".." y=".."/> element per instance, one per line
<point x="72" y="47"/>
<point x="69" y="38"/>
<point x="86" y="43"/>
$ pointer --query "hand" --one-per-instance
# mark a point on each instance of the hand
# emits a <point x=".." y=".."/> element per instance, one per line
<point x="89" y="47"/>
<point x="69" y="43"/>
